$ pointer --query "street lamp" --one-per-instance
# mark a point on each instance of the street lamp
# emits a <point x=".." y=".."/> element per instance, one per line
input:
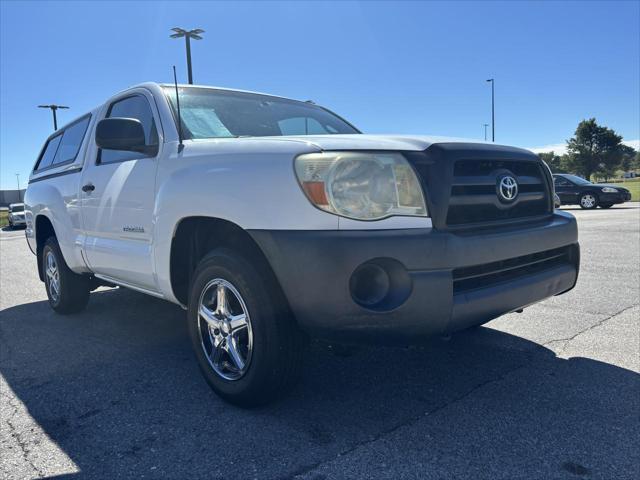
<point x="485" y="131"/>
<point x="53" y="108"/>
<point x="188" y="35"/>
<point x="493" y="111"/>
<point x="19" y="194"/>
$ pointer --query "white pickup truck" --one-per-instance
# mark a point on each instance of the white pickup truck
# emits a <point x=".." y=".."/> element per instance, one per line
<point x="271" y="220"/>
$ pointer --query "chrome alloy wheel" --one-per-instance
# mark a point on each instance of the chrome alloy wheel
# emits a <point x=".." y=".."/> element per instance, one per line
<point x="52" y="276"/>
<point x="588" y="201"/>
<point x="225" y="329"/>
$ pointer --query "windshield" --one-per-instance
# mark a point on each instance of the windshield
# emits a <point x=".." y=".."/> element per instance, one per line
<point x="211" y="113"/>
<point x="577" y="180"/>
<point x="16" y="208"/>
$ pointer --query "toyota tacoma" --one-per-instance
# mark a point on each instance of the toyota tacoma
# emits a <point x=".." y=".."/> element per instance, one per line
<point x="272" y="220"/>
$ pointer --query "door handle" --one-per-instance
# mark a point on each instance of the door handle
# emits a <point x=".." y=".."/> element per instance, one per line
<point x="88" y="188"/>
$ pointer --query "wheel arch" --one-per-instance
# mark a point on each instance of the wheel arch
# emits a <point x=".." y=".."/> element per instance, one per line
<point x="43" y="230"/>
<point x="194" y="237"/>
<point x="593" y="192"/>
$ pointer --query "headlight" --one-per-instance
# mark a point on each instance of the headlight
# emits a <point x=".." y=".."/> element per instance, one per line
<point x="361" y="185"/>
<point x="609" y="190"/>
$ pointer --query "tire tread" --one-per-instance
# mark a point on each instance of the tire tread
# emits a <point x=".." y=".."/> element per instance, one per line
<point x="74" y="294"/>
<point x="286" y="360"/>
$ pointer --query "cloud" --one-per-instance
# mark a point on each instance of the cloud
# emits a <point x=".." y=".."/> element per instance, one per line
<point x="561" y="148"/>
<point x="633" y="143"/>
<point x="557" y="148"/>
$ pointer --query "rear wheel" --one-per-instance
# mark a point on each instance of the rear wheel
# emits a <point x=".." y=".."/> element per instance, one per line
<point x="68" y="292"/>
<point x="588" y="201"/>
<point x="247" y="344"/>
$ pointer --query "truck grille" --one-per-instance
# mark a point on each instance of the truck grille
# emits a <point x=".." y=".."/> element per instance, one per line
<point x="490" y="274"/>
<point x="474" y="198"/>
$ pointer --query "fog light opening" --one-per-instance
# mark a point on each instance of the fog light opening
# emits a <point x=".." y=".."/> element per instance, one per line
<point x="380" y="284"/>
<point x="369" y="284"/>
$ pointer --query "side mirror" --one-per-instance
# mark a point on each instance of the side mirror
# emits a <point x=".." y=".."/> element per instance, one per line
<point x="123" y="134"/>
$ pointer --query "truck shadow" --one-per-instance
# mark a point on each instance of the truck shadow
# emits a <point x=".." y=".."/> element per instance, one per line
<point x="117" y="389"/>
<point x="7" y="228"/>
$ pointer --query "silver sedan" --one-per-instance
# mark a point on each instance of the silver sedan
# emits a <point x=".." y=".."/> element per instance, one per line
<point x="16" y="215"/>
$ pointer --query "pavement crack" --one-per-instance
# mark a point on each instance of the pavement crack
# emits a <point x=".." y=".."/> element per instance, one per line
<point x="567" y="340"/>
<point x="562" y="308"/>
<point x="15" y="433"/>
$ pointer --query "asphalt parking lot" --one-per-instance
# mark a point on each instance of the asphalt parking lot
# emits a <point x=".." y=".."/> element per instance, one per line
<point x="114" y="392"/>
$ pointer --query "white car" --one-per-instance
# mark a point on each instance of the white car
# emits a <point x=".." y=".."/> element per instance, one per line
<point x="270" y="220"/>
<point x="16" y="215"/>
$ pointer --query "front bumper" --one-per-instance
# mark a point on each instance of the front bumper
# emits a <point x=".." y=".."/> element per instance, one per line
<point x="428" y="273"/>
<point x="18" y="221"/>
<point x="615" y="198"/>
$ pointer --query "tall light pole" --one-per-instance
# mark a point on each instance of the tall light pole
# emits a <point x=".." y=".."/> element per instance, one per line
<point x="485" y="131"/>
<point x="19" y="194"/>
<point x="493" y="110"/>
<point x="53" y="108"/>
<point x="188" y="35"/>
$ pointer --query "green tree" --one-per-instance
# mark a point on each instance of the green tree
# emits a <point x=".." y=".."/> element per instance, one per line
<point x="556" y="163"/>
<point x="629" y="157"/>
<point x="594" y="148"/>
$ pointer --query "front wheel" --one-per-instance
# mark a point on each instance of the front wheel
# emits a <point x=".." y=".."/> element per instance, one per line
<point x="67" y="291"/>
<point x="588" y="201"/>
<point x="247" y="344"/>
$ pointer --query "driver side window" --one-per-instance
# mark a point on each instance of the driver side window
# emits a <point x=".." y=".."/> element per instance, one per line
<point x="136" y="107"/>
<point x="561" y="182"/>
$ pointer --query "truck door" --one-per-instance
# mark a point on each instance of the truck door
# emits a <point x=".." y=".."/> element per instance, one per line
<point x="118" y="193"/>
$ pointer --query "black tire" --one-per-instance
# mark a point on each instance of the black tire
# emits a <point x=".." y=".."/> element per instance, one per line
<point x="72" y="294"/>
<point x="277" y="348"/>
<point x="606" y="205"/>
<point x="588" y="201"/>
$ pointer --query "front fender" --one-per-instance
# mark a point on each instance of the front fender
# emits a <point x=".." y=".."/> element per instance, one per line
<point x="254" y="191"/>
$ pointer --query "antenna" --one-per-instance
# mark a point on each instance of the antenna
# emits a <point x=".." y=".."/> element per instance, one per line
<point x="175" y="82"/>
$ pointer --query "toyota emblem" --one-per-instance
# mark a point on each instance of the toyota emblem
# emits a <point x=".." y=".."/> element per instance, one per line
<point x="507" y="188"/>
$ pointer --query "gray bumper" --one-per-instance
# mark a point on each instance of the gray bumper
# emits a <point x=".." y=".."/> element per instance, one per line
<point x="437" y="282"/>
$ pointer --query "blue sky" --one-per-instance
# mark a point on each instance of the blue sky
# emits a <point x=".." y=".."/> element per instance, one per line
<point x="415" y="68"/>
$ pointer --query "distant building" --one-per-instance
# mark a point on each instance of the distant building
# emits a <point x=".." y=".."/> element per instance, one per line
<point x="11" y="196"/>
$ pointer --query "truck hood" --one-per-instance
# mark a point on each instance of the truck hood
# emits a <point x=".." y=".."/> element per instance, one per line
<point x="373" y="142"/>
<point x="308" y="143"/>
